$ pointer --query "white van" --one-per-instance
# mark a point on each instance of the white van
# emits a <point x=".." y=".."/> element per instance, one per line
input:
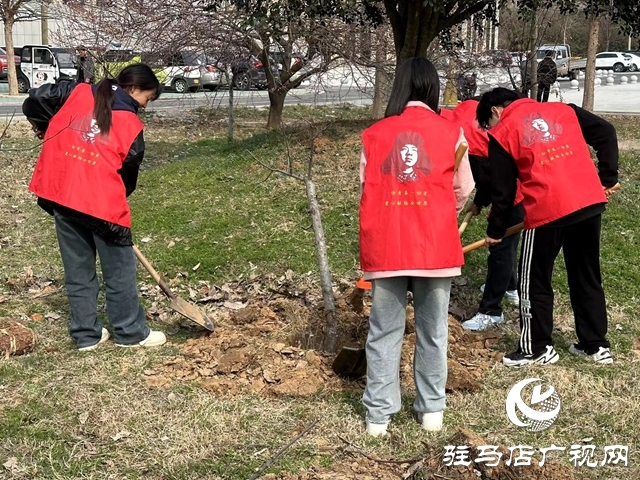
<point x="42" y="64"/>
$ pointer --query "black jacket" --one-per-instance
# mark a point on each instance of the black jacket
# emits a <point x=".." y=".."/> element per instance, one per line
<point x="41" y="105"/>
<point x="547" y="71"/>
<point x="597" y="132"/>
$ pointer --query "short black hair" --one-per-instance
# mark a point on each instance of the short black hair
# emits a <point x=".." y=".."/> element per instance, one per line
<point x="498" y="97"/>
<point x="416" y="80"/>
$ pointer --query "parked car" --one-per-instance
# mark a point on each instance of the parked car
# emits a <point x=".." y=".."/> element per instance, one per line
<point x="613" y="60"/>
<point x="249" y="72"/>
<point x="496" y="58"/>
<point x="42" y="64"/>
<point x="4" y="69"/>
<point x="634" y="58"/>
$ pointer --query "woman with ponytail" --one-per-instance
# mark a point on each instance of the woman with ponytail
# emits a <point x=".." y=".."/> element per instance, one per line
<point x="92" y="150"/>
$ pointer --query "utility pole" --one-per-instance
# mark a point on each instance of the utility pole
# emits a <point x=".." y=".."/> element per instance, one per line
<point x="44" y="23"/>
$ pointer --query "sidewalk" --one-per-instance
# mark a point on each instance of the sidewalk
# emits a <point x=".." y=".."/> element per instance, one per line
<point x="617" y="98"/>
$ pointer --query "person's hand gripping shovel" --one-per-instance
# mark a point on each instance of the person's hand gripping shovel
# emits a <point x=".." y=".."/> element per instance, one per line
<point x="351" y="362"/>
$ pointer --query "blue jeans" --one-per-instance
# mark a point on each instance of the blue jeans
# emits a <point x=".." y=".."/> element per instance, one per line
<point x="384" y="345"/>
<point x="78" y="247"/>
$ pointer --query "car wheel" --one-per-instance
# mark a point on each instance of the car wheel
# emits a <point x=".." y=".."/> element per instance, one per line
<point x="634" y="67"/>
<point x="242" y="81"/>
<point x="618" y="67"/>
<point x="499" y="64"/>
<point x="23" y="85"/>
<point x="180" y="85"/>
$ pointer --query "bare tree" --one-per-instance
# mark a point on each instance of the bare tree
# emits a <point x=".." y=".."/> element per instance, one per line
<point x="12" y="12"/>
<point x="590" y="70"/>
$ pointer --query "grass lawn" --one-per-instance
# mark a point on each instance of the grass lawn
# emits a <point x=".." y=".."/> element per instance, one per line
<point x="208" y="213"/>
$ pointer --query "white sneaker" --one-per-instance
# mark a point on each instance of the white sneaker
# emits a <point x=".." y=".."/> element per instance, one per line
<point x="376" y="429"/>
<point x="104" y="338"/>
<point x="510" y="296"/>
<point x="482" y="321"/>
<point x="603" y="355"/>
<point x="154" y="339"/>
<point x="432" y="422"/>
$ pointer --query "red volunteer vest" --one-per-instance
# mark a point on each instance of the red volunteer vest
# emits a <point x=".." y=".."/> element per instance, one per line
<point x="557" y="174"/>
<point x="465" y="116"/>
<point x="78" y="167"/>
<point x="408" y="208"/>
<point x="477" y="138"/>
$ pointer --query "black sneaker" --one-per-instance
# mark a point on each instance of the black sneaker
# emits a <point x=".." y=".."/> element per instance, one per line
<point x="603" y="355"/>
<point x="519" y="359"/>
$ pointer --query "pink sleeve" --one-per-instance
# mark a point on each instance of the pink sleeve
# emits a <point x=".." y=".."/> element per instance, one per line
<point x="463" y="183"/>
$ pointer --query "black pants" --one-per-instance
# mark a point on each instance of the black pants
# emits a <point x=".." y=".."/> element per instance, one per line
<point x="580" y="244"/>
<point x="502" y="268"/>
<point x="543" y="92"/>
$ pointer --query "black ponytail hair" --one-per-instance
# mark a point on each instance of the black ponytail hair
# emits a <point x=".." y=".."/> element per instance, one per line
<point x="417" y="79"/>
<point x="138" y="75"/>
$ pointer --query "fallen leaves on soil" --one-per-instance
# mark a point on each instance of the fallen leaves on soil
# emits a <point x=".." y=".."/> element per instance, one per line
<point x="267" y="336"/>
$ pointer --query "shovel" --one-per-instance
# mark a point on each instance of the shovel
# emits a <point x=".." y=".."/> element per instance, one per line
<point x="517" y="228"/>
<point x="351" y="362"/>
<point x="177" y="304"/>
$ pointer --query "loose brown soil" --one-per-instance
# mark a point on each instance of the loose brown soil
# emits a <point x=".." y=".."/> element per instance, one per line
<point x="267" y="347"/>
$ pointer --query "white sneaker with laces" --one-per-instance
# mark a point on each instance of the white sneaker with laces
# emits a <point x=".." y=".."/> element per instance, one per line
<point x="482" y="321"/>
<point x="511" y="296"/>
<point x="432" y="421"/>
<point x="105" y="336"/>
<point x="603" y="355"/>
<point x="376" y="429"/>
<point x="154" y="339"/>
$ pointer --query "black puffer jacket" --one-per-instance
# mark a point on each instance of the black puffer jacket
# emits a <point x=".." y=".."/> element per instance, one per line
<point x="40" y="107"/>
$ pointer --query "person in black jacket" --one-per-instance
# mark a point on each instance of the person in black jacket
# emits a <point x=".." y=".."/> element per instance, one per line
<point x="92" y="150"/>
<point x="547" y="76"/>
<point x="546" y="147"/>
<point x="85" y="66"/>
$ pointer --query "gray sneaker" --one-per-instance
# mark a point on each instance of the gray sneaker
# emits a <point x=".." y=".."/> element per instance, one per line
<point x="603" y="355"/>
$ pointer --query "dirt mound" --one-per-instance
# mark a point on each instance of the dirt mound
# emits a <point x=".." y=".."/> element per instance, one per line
<point x="15" y="338"/>
<point x="269" y="345"/>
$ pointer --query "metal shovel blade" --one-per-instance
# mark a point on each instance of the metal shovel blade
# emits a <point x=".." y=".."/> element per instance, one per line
<point x="351" y="363"/>
<point x="191" y="312"/>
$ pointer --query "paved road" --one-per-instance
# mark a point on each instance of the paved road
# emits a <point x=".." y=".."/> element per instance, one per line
<point x="173" y="102"/>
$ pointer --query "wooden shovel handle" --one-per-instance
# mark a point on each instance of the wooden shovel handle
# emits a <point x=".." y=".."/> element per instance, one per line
<point x="152" y="271"/>
<point x="520" y="226"/>
<point x="465" y="222"/>
<point x="460" y="151"/>
<point x="480" y="243"/>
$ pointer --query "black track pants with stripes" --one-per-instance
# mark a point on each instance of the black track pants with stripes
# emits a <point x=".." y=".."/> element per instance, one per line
<point x="580" y="244"/>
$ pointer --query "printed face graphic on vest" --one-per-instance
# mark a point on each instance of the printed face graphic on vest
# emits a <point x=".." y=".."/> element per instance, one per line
<point x="407" y="160"/>
<point x="90" y="135"/>
<point x="539" y="130"/>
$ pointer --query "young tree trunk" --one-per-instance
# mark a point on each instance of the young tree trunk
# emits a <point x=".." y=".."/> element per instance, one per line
<point x="231" y="125"/>
<point x="331" y="324"/>
<point x="12" y="73"/>
<point x="533" y="72"/>
<point x="590" y="70"/>
<point x="276" y="106"/>
<point x="381" y="86"/>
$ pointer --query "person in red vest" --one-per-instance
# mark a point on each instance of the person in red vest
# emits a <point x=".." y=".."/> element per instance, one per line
<point x="411" y="195"/>
<point x="546" y="147"/>
<point x="93" y="147"/>
<point x="502" y="267"/>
